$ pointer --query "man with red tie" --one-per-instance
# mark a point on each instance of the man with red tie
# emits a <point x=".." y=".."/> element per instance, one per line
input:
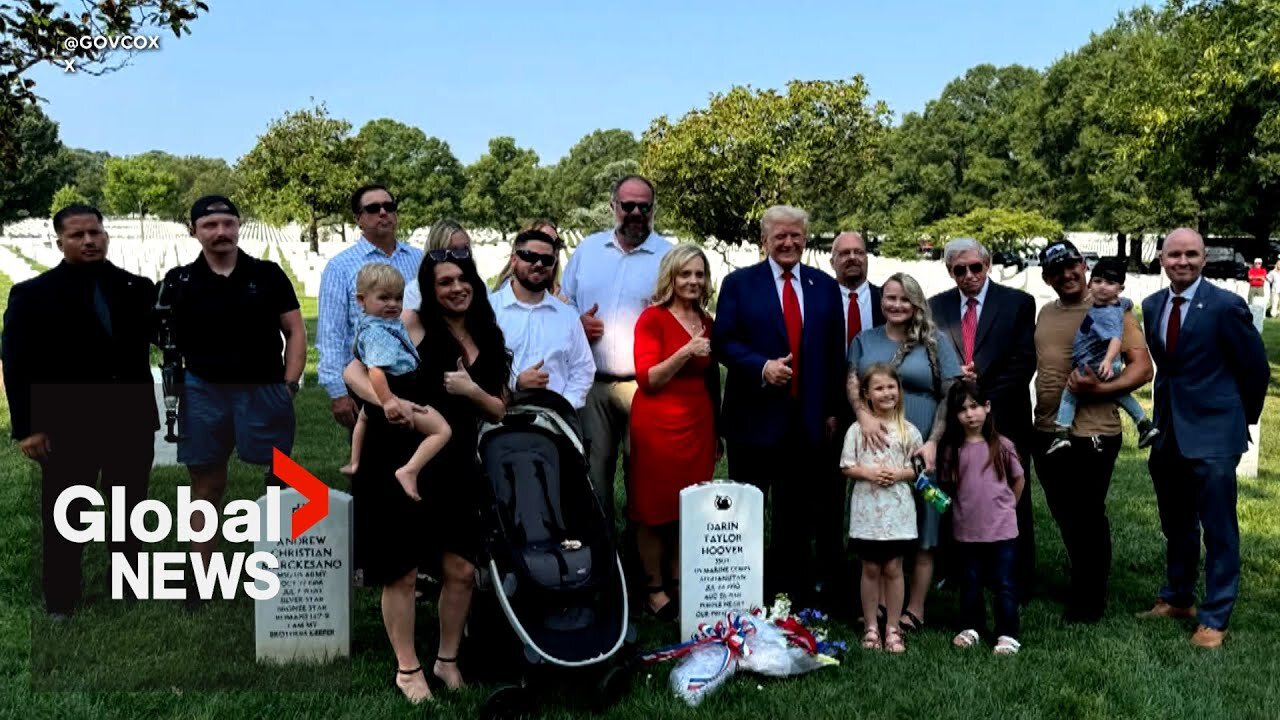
<point x="1211" y="384"/>
<point x="861" y="301"/>
<point x="780" y="332"/>
<point x="993" y="329"/>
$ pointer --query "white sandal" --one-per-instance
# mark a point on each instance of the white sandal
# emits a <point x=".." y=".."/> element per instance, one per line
<point x="1006" y="645"/>
<point x="966" y="639"/>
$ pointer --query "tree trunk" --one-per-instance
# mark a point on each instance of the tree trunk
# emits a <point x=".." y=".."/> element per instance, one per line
<point x="1135" y="252"/>
<point x="1121" y="246"/>
<point x="315" y="234"/>
<point x="1202" y="225"/>
<point x="142" y="234"/>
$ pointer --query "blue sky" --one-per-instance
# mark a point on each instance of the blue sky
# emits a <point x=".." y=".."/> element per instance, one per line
<point x="546" y="73"/>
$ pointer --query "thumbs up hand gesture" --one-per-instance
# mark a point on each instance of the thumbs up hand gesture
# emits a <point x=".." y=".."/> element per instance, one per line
<point x="532" y="377"/>
<point x="593" y="327"/>
<point x="459" y="382"/>
<point x="778" y="372"/>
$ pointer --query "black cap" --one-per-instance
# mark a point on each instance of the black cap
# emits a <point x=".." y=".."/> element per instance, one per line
<point x="1058" y="255"/>
<point x="1109" y="268"/>
<point x="212" y="205"/>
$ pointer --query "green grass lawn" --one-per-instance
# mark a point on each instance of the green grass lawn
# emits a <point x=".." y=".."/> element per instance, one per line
<point x="201" y="666"/>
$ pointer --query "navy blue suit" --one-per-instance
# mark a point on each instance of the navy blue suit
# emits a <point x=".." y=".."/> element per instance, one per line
<point x="1207" y="393"/>
<point x="776" y="441"/>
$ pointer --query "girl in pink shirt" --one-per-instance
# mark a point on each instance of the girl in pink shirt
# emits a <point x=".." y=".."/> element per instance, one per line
<point x="981" y="468"/>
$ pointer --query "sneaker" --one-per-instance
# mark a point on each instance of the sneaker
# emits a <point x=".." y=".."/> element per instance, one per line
<point x="1147" y="432"/>
<point x="1057" y="445"/>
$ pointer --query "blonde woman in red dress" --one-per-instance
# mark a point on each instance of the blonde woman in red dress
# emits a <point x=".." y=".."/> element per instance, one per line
<point x="673" y="416"/>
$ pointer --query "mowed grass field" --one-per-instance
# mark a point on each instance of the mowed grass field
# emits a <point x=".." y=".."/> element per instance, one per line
<point x="155" y="660"/>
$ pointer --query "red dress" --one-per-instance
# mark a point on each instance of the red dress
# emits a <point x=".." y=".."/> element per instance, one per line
<point x="673" y="429"/>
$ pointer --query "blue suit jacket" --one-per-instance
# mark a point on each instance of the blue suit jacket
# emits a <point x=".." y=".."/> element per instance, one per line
<point x="1212" y="387"/>
<point x="749" y="331"/>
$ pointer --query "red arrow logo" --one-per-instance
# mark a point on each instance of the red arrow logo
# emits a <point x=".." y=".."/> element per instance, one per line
<point x="316" y="507"/>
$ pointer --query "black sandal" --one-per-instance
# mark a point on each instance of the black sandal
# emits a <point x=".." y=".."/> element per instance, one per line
<point x="915" y="625"/>
<point x="414" y="671"/>
<point x="667" y="613"/>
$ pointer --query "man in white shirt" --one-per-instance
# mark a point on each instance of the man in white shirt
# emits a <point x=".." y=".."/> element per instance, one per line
<point x="610" y="280"/>
<point x="544" y="335"/>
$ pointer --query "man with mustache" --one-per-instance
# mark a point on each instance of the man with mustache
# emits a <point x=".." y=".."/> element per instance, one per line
<point x="549" y="349"/>
<point x="1077" y="479"/>
<point x="77" y="374"/>
<point x="609" y="280"/>
<point x="229" y="311"/>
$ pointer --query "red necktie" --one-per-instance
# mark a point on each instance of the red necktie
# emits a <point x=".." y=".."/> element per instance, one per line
<point x="1174" y="326"/>
<point x="969" y="328"/>
<point x="791" y="317"/>
<point x="855" y="320"/>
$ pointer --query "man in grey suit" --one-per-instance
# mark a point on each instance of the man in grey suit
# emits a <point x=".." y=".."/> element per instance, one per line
<point x="1000" y="354"/>
<point x="1211" y="380"/>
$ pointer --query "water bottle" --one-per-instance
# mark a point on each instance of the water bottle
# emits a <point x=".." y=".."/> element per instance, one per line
<point x="931" y="493"/>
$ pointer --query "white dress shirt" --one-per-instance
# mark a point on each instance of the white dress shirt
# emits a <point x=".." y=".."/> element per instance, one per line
<point x="549" y="331"/>
<point x="795" y="283"/>
<point x="863" y="295"/>
<point x="1189" y="293"/>
<point x="600" y="272"/>
<point x="981" y="297"/>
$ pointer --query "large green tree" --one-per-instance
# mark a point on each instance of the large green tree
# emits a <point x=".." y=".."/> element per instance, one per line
<point x="27" y="186"/>
<point x="85" y="170"/>
<point x="303" y="169"/>
<point x="717" y="169"/>
<point x="36" y="32"/>
<point x="505" y="187"/>
<point x="1000" y="229"/>
<point x="582" y="178"/>
<point x="422" y="171"/>
<point x="140" y="184"/>
<point x="65" y="196"/>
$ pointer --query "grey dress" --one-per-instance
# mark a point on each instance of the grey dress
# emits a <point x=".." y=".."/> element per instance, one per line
<point x="920" y="401"/>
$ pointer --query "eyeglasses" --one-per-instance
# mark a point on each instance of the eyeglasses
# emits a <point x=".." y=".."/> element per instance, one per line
<point x="536" y="258"/>
<point x="962" y="270"/>
<point x="374" y="208"/>
<point x="627" y="206"/>
<point x="449" y="253"/>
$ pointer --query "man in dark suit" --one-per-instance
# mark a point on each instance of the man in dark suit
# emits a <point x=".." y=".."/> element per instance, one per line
<point x="77" y="371"/>
<point x="861" y="304"/>
<point x="779" y="332"/>
<point x="1210" y="385"/>
<point x="993" y="328"/>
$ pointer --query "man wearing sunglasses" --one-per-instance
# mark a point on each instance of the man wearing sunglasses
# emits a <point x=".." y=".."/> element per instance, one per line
<point x="375" y="213"/>
<point x="993" y="329"/>
<point x="543" y="334"/>
<point x="609" y="281"/>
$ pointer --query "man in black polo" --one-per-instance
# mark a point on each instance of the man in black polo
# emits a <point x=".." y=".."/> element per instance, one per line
<point x="77" y="372"/>
<point x="229" y="311"/>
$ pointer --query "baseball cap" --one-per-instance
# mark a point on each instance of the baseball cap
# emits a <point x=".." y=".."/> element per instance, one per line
<point x="1110" y="268"/>
<point x="212" y="205"/>
<point x="1057" y="255"/>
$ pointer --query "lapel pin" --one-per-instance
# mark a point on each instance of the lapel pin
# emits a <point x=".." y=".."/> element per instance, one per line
<point x="1199" y="306"/>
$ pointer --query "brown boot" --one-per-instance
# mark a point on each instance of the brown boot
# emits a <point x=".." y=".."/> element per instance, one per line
<point x="1207" y="637"/>
<point x="1163" y="609"/>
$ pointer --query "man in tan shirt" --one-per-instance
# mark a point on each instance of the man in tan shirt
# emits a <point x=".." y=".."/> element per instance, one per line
<point x="1077" y="478"/>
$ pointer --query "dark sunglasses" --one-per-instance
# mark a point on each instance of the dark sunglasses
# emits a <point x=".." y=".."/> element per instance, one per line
<point x="453" y="253"/>
<point x="627" y="206"/>
<point x="962" y="270"/>
<point x="536" y="258"/>
<point x="373" y="208"/>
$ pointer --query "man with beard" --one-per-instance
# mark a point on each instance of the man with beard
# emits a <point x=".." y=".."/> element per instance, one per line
<point x="77" y="373"/>
<point x="1077" y="480"/>
<point x="993" y="330"/>
<point x="229" y="311"/>
<point x="609" y="281"/>
<point x="544" y="335"/>
<point x="861" y="301"/>
<point x="375" y="212"/>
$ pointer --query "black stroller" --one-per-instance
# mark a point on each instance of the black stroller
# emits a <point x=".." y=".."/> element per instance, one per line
<point x="551" y="564"/>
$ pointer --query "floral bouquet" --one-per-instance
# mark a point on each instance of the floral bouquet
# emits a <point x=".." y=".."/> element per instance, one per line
<point x="770" y="642"/>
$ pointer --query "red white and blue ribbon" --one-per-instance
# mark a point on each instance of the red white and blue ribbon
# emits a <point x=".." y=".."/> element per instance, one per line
<point x="732" y="632"/>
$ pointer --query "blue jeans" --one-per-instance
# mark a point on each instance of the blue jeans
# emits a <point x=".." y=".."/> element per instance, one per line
<point x="1067" y="407"/>
<point x="1194" y="494"/>
<point x="990" y="565"/>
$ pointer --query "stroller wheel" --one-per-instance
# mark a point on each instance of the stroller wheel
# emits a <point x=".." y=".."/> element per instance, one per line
<point x="506" y="703"/>
<point x="613" y="686"/>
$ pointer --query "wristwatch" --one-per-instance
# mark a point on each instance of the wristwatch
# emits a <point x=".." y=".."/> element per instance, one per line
<point x="294" y="387"/>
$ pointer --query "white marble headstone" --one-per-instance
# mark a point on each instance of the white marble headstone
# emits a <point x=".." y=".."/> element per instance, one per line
<point x="309" y="620"/>
<point x="1248" y="466"/>
<point x="721" y="552"/>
